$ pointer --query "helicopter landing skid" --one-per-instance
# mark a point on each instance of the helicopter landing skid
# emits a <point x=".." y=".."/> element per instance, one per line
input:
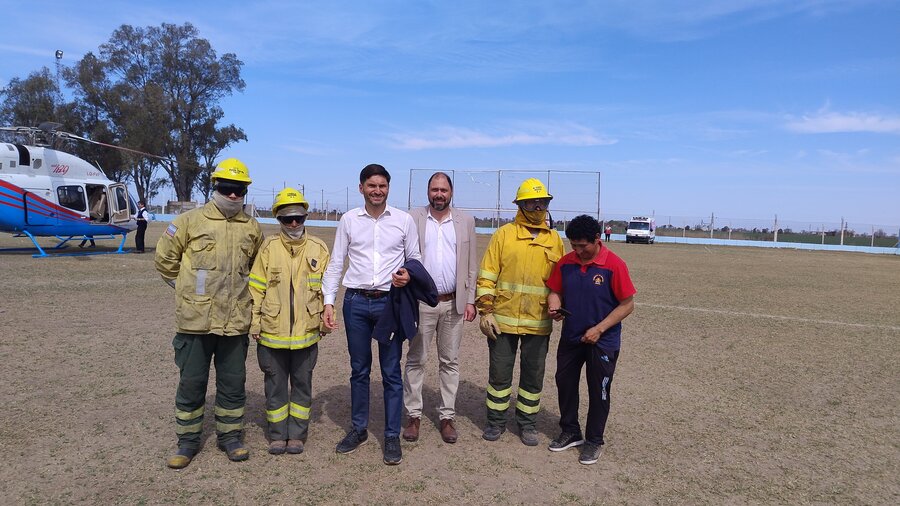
<point x="62" y="244"/>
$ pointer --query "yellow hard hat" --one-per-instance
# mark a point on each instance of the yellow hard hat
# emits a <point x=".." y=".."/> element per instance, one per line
<point x="532" y="188"/>
<point x="231" y="169"/>
<point x="287" y="197"/>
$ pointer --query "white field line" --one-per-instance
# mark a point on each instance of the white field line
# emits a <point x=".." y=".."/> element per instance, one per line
<point x="770" y="316"/>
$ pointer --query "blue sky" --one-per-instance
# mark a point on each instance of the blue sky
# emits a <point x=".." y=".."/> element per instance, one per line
<point x="742" y="108"/>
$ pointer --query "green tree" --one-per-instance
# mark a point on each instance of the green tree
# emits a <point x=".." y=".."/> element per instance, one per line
<point x="30" y="101"/>
<point x="160" y="88"/>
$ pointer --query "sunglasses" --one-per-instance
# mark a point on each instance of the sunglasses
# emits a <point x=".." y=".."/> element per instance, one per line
<point x="287" y="220"/>
<point x="227" y="188"/>
<point x="532" y="204"/>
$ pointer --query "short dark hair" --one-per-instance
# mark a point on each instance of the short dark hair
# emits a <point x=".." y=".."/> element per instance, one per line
<point x="583" y="228"/>
<point x="373" y="169"/>
<point x="441" y="174"/>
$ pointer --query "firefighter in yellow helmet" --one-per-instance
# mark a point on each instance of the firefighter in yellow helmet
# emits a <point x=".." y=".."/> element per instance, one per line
<point x="286" y="285"/>
<point x="206" y="254"/>
<point x="511" y="298"/>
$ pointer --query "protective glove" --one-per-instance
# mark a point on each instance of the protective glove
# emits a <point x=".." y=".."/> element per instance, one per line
<point x="488" y="326"/>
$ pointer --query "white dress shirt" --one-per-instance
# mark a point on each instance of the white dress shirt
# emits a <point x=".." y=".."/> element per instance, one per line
<point x="440" y="255"/>
<point x="375" y="248"/>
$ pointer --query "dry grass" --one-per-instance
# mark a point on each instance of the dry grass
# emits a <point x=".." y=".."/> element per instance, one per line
<point x="747" y="376"/>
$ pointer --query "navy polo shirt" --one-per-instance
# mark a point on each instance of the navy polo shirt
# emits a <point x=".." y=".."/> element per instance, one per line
<point x="591" y="292"/>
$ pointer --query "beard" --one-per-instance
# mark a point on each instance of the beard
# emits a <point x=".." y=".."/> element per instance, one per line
<point x="438" y="205"/>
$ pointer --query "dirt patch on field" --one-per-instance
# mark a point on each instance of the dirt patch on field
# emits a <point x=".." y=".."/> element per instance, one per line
<point x="747" y="376"/>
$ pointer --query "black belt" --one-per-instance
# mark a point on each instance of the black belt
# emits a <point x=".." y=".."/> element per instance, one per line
<point x="369" y="294"/>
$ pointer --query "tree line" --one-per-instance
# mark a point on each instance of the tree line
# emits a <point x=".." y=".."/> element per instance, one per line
<point x="155" y="89"/>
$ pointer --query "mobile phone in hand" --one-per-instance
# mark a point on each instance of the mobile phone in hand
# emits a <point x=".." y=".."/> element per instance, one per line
<point x="563" y="311"/>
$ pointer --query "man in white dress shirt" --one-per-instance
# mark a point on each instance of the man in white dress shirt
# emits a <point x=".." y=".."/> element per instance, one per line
<point x="448" y="244"/>
<point x="377" y="239"/>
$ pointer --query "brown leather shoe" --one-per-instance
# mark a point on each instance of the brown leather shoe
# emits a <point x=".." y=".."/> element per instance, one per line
<point x="411" y="432"/>
<point x="448" y="432"/>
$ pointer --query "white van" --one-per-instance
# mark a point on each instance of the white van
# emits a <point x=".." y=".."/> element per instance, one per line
<point x="641" y="229"/>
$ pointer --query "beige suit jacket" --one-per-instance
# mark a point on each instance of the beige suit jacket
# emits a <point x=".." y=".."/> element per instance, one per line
<point x="466" y="246"/>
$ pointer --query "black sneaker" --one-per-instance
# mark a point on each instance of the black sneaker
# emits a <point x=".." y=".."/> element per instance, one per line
<point x="353" y="440"/>
<point x="590" y="453"/>
<point x="392" y="453"/>
<point x="492" y="432"/>
<point x="565" y="440"/>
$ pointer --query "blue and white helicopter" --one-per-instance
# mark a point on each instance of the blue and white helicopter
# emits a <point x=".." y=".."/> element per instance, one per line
<point x="45" y="192"/>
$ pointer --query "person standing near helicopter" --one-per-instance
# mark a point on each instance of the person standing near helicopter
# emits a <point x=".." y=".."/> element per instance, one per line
<point x="286" y="285"/>
<point x="206" y="254"/>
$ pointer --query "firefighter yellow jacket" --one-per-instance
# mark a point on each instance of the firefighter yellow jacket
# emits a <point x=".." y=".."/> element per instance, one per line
<point x="207" y="258"/>
<point x="286" y="285"/>
<point x="512" y="275"/>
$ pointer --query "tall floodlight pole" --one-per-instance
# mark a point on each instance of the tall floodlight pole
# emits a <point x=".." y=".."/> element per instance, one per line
<point x="499" y="176"/>
<point x="59" y="55"/>
<point x="598" y="197"/>
<point x="409" y="189"/>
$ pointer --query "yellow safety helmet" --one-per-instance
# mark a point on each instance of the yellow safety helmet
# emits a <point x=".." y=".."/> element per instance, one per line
<point x="532" y="188"/>
<point x="287" y="197"/>
<point x="231" y="169"/>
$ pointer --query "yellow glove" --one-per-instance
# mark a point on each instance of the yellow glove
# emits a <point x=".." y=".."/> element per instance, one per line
<point x="488" y="326"/>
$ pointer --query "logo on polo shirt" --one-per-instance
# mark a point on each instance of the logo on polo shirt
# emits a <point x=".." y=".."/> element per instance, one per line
<point x="598" y="279"/>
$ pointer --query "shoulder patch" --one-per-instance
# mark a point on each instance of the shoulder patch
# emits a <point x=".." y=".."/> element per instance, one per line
<point x="171" y="230"/>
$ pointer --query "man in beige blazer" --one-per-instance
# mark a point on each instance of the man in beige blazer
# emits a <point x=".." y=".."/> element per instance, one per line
<point x="448" y="246"/>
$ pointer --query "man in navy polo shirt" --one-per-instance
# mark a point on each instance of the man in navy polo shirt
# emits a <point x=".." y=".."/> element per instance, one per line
<point x="594" y="289"/>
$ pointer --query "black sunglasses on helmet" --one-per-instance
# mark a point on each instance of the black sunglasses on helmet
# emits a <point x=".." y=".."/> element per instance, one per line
<point x="287" y="220"/>
<point x="228" y="187"/>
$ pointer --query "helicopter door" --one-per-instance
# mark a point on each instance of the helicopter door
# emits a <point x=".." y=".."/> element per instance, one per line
<point x="121" y="212"/>
<point x="98" y="203"/>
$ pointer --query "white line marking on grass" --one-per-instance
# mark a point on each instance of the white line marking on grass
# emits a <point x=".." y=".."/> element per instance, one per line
<point x="771" y="316"/>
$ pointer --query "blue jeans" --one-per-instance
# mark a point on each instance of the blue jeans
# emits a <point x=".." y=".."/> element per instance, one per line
<point x="360" y="315"/>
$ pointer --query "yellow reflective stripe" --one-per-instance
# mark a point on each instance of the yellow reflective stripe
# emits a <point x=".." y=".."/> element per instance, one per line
<point x="298" y="411"/>
<point x="277" y="415"/>
<point x="314" y="281"/>
<point x="189" y="429"/>
<point x="228" y="427"/>
<point x="292" y="343"/>
<point x="529" y="289"/>
<point x="530" y="396"/>
<point x="488" y="275"/>
<point x="524" y="322"/>
<point x="528" y="409"/>
<point x="258" y="281"/>
<point x="484" y="291"/>
<point x="188" y="415"/>
<point x="258" y="286"/>
<point x="499" y="393"/>
<point x="220" y="411"/>
<point x="497" y="406"/>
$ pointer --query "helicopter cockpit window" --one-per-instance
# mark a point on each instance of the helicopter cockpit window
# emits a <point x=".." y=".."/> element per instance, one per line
<point x="72" y="197"/>
<point x="36" y="164"/>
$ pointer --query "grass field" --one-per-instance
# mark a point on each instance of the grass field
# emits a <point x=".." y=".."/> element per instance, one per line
<point x="747" y="376"/>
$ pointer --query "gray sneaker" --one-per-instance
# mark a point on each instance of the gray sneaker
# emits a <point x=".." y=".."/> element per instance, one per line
<point x="566" y="440"/>
<point x="392" y="453"/>
<point x="529" y="437"/>
<point x="590" y="454"/>
<point x="353" y="440"/>
<point x="492" y="432"/>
